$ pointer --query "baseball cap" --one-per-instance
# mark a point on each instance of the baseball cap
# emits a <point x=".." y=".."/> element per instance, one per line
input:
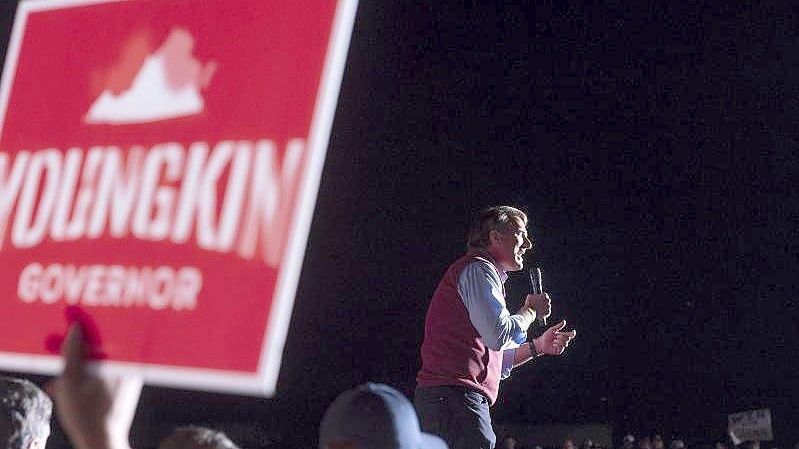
<point x="379" y="417"/>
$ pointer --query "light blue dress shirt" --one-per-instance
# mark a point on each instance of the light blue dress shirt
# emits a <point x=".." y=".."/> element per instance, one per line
<point x="481" y="290"/>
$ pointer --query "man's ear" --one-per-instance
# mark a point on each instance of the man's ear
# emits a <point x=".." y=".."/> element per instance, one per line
<point x="494" y="237"/>
<point x="38" y="443"/>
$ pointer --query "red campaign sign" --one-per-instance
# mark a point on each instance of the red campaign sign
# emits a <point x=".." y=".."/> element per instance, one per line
<point x="159" y="164"/>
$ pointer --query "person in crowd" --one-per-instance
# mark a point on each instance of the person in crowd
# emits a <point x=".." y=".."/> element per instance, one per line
<point x="25" y="412"/>
<point x="645" y="443"/>
<point x="720" y="445"/>
<point x="195" y="437"/>
<point x="471" y="340"/>
<point x="627" y="442"/>
<point x="657" y="442"/>
<point x="509" y="442"/>
<point x="374" y="416"/>
<point x="677" y="444"/>
<point x="568" y="443"/>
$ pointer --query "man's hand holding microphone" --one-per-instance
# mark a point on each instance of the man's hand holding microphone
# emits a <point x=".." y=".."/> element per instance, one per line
<point x="541" y="304"/>
<point x="537" y="306"/>
<point x="552" y="341"/>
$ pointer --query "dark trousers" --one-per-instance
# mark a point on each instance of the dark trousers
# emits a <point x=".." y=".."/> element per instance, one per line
<point x="459" y="415"/>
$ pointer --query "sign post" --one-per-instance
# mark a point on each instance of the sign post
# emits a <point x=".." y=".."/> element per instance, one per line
<point x="159" y="165"/>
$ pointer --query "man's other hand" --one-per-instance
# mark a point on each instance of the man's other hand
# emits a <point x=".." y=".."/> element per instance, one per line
<point x="541" y="303"/>
<point x="95" y="413"/>
<point x="553" y="341"/>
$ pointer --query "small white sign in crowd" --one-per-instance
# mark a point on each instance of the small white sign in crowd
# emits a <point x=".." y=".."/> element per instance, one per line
<point x="752" y="425"/>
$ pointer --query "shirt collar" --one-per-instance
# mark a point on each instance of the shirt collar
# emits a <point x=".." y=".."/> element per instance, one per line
<point x="503" y="276"/>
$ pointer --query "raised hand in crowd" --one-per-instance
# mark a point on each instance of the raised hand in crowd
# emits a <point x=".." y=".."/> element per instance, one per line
<point x="95" y="412"/>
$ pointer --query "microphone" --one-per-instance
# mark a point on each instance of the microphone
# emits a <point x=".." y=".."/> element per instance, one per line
<point x="537" y="287"/>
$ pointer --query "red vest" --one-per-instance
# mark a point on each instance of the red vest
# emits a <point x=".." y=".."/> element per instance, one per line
<point x="453" y="353"/>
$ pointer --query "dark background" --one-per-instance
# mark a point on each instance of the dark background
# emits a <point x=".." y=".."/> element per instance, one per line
<point x="654" y="147"/>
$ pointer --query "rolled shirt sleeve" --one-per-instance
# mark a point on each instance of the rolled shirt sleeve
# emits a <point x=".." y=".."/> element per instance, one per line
<point x="507" y="363"/>
<point x="480" y="288"/>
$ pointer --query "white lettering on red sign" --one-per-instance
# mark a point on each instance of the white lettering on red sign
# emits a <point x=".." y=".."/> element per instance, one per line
<point x="162" y="193"/>
<point x="156" y="288"/>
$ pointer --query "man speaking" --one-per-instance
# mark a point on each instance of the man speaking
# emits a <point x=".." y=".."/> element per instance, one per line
<point x="471" y="341"/>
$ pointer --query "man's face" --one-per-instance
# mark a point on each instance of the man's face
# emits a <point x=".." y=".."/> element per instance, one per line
<point x="508" y="246"/>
